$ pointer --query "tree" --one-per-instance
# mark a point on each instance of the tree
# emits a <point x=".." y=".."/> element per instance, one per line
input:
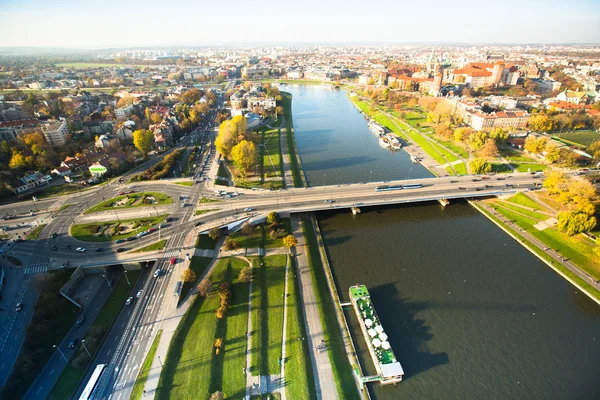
<point x="244" y="155"/>
<point x="273" y="217"/>
<point x="194" y="117"/>
<point x="239" y="125"/>
<point x="594" y="150"/>
<point x="290" y="241"/>
<point x="156" y="118"/>
<point x="535" y="145"/>
<point x="214" y="233"/>
<point x="217" y="396"/>
<point x="226" y="139"/>
<point x="17" y="161"/>
<point x="579" y="193"/>
<point x="540" y="123"/>
<point x="231" y="244"/>
<point x="477" y="140"/>
<point x="552" y="152"/>
<point x="185" y="125"/>
<point x="479" y="166"/>
<point x="573" y="222"/>
<point x="555" y="182"/>
<point x="245" y="274"/>
<point x="148" y="113"/>
<point x="205" y="287"/>
<point x="490" y="149"/>
<point x="143" y="140"/>
<point x="188" y="275"/>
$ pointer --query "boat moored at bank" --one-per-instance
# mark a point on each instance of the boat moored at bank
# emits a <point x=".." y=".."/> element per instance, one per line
<point x="388" y="368"/>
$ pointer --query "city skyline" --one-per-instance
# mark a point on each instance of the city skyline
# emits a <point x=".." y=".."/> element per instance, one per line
<point x="83" y="25"/>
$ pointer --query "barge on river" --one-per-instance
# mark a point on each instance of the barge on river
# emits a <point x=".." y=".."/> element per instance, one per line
<point x="388" y="368"/>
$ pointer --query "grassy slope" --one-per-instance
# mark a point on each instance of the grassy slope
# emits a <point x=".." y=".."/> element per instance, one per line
<point x="198" y="265"/>
<point x="524" y="200"/>
<point x="35" y="232"/>
<point x="191" y="370"/>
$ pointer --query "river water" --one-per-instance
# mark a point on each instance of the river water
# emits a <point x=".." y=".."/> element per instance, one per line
<point x="470" y="313"/>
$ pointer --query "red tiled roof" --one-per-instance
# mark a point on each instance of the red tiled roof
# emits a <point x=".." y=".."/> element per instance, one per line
<point x="19" y="122"/>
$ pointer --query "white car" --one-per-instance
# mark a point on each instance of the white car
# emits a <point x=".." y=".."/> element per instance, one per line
<point x="247" y="209"/>
<point x="139" y="294"/>
<point x="81" y="249"/>
<point x="157" y="273"/>
<point x="129" y="300"/>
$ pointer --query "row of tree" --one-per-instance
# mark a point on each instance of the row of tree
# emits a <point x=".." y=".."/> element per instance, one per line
<point x="551" y="151"/>
<point x="235" y="143"/>
<point x="554" y="121"/>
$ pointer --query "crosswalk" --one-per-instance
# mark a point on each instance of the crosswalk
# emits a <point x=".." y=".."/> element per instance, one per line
<point x="32" y="269"/>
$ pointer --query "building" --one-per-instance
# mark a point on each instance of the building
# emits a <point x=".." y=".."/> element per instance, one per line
<point x="436" y="87"/>
<point x="10" y="112"/>
<point x="295" y="74"/>
<point x="573" y="97"/>
<point x="514" y="119"/>
<point x="56" y="132"/>
<point x="255" y="72"/>
<point x="123" y="112"/>
<point x="486" y="74"/>
<point x="61" y="171"/>
<point x="268" y="103"/>
<point x="31" y="181"/>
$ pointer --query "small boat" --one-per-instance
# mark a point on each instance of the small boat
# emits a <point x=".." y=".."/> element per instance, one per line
<point x="394" y="142"/>
<point x="384" y="141"/>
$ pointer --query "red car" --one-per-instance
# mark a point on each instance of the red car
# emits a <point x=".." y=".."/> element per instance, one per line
<point x="173" y="260"/>
<point x="151" y="230"/>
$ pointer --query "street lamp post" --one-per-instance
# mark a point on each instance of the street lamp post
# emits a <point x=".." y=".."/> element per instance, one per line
<point x="323" y="179"/>
<point x="117" y="215"/>
<point x="107" y="281"/>
<point x="161" y="364"/>
<point x="61" y="353"/>
<point x="126" y="277"/>
<point x="86" y="350"/>
<point x="370" y="175"/>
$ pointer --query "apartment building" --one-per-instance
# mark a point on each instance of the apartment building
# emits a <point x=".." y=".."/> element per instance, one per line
<point x="56" y="132"/>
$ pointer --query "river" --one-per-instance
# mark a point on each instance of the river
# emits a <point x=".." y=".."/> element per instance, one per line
<point x="470" y="313"/>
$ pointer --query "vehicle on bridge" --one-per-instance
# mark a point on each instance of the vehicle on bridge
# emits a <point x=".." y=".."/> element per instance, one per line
<point x="389" y="188"/>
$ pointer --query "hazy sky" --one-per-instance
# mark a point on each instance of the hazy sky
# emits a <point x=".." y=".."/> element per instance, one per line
<point x="121" y="23"/>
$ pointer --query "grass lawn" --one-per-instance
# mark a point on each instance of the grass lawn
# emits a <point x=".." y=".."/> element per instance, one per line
<point x="267" y="314"/>
<point x="298" y="368"/>
<point x="575" y="248"/>
<point x="64" y="207"/>
<point x="35" y="232"/>
<point x="579" y="138"/>
<point x="140" y="382"/>
<point x="342" y="370"/>
<point x="260" y="238"/>
<point x="383" y="120"/>
<point x="524" y="200"/>
<point x="133" y="200"/>
<point x="71" y="376"/>
<point x="593" y="291"/>
<point x="198" y="265"/>
<point x="205" y="242"/>
<point x="192" y="370"/>
<point x="90" y="232"/>
<point x="222" y="171"/>
<point x="461" y="169"/>
<point x="520" y="210"/>
<point x="271" y="158"/>
<point x="152" y="247"/>
<point x="289" y="127"/>
<point x="516" y="156"/>
<point x="208" y="200"/>
<point x="60" y="190"/>
<point x="190" y="183"/>
<point x="200" y="212"/>
<point x="455" y="147"/>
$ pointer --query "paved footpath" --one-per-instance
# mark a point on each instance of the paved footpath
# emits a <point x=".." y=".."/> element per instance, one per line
<point x="321" y="366"/>
<point x="285" y="155"/>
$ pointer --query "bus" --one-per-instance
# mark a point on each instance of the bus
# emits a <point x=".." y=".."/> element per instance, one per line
<point x="88" y="392"/>
<point x="178" y="287"/>
<point x="412" y="186"/>
<point x="388" y="188"/>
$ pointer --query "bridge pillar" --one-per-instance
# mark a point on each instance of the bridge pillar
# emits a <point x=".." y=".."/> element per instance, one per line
<point x="355" y="210"/>
<point x="444" y="202"/>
